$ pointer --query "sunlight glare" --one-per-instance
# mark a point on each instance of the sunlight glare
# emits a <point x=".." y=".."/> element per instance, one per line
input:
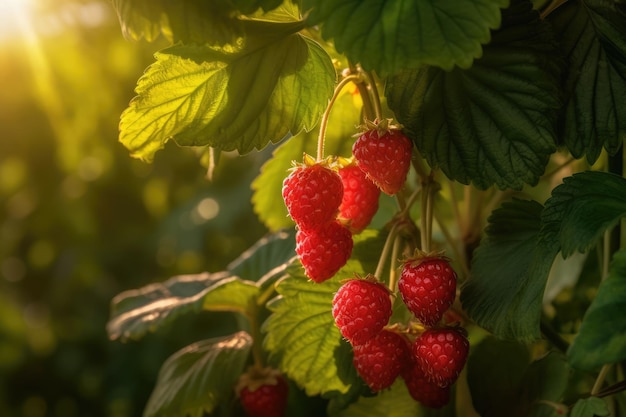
<point x="14" y="17"/>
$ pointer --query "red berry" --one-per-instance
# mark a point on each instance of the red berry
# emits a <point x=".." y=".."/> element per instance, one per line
<point x="263" y="393"/>
<point x="324" y="251"/>
<point x="428" y="288"/>
<point x="380" y="360"/>
<point x="423" y="389"/>
<point x="361" y="309"/>
<point x="441" y="353"/>
<point x="360" y="198"/>
<point x="312" y="194"/>
<point x="385" y="156"/>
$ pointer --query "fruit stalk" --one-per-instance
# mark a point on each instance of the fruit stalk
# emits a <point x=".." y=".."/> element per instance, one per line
<point x="385" y="252"/>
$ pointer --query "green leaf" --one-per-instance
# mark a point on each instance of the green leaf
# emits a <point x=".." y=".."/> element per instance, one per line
<point x="583" y="208"/>
<point x="393" y="402"/>
<point x="495" y="370"/>
<point x="546" y="380"/>
<point x="592" y="36"/>
<point x="301" y="333"/>
<point x="190" y="21"/>
<point x="602" y="335"/>
<point x="387" y="36"/>
<point x="137" y="312"/>
<point x="277" y="84"/>
<point x="199" y="377"/>
<point x="509" y="272"/>
<point x="267" y="198"/>
<point x="590" y="407"/>
<point x="495" y="122"/>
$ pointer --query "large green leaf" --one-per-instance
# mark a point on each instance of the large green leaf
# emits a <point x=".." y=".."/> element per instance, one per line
<point x="278" y="83"/>
<point x="137" y="312"/>
<point x="590" y="407"/>
<point x="199" y="377"/>
<point x="387" y="36"/>
<point x="593" y="39"/>
<point x="301" y="333"/>
<point x="509" y="272"/>
<point x="602" y="335"/>
<point x="393" y="402"/>
<point x="493" y="123"/>
<point x="212" y="22"/>
<point x="583" y="208"/>
<point x="544" y="385"/>
<point x="267" y="199"/>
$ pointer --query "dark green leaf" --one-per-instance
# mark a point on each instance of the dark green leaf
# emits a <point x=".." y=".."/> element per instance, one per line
<point x="137" y="312"/>
<point x="198" y="95"/>
<point x="495" y="370"/>
<point x="602" y="335"/>
<point x="198" y="377"/>
<point x="545" y="381"/>
<point x="393" y="402"/>
<point x="509" y="272"/>
<point x="583" y="208"/>
<point x="590" y="407"/>
<point x="594" y="41"/>
<point x="301" y="333"/>
<point x="495" y="122"/>
<point x="387" y="36"/>
<point x="267" y="199"/>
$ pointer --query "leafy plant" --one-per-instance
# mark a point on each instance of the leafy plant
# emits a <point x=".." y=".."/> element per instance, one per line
<point x="516" y="112"/>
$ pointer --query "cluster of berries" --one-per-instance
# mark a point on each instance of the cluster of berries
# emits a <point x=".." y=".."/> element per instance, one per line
<point x="431" y="363"/>
<point x="331" y="200"/>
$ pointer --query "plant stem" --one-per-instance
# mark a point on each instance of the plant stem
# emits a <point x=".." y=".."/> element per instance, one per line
<point x="613" y="389"/>
<point x="376" y="97"/>
<point x="553" y="337"/>
<point x="393" y="270"/>
<point x="458" y="254"/>
<point x="385" y="252"/>
<point x="326" y="115"/>
<point x="368" y="109"/>
<point x="255" y="330"/>
<point x="552" y="7"/>
<point x="600" y="379"/>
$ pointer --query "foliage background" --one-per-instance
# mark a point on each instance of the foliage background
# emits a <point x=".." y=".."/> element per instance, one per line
<point x="81" y="221"/>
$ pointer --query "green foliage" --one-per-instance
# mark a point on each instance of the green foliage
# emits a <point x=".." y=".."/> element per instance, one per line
<point x="593" y="40"/>
<point x="590" y="407"/>
<point x="594" y="346"/>
<point x="509" y="272"/>
<point x="388" y="36"/>
<point x="201" y="95"/>
<point x="200" y="377"/>
<point x="582" y="209"/>
<point x="394" y="402"/>
<point x="493" y="123"/>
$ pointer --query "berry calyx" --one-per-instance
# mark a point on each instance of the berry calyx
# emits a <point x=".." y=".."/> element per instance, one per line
<point x="442" y="354"/>
<point x="422" y="389"/>
<point x="360" y="198"/>
<point x="312" y="193"/>
<point x="384" y="154"/>
<point x="380" y="360"/>
<point x="427" y="285"/>
<point x="263" y="392"/>
<point x="323" y="251"/>
<point x="361" y="308"/>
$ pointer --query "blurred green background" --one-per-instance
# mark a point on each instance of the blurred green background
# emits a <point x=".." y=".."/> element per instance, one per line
<point x="81" y="221"/>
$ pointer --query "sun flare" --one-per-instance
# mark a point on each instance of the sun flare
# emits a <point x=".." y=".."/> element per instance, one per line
<point x="15" y="18"/>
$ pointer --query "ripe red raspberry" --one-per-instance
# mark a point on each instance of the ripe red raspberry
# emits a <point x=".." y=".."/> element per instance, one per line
<point x="428" y="287"/>
<point x="312" y="194"/>
<point x="441" y="353"/>
<point x="380" y="360"/>
<point x="424" y="390"/>
<point x="385" y="156"/>
<point x="360" y="198"/>
<point x="263" y="393"/>
<point x="324" y="251"/>
<point x="361" y="309"/>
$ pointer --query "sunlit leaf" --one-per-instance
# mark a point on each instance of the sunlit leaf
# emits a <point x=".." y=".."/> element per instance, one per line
<point x="493" y="123"/>
<point x="301" y="333"/>
<point x="392" y="402"/>
<point x="198" y="377"/>
<point x="387" y="36"/>
<point x="495" y="370"/>
<point x="267" y="199"/>
<point x="197" y="95"/>
<point x="137" y="312"/>
<point x="602" y="335"/>
<point x="593" y="39"/>
<point x="509" y="272"/>
<point x="583" y="208"/>
<point x="590" y="407"/>
<point x="213" y="22"/>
